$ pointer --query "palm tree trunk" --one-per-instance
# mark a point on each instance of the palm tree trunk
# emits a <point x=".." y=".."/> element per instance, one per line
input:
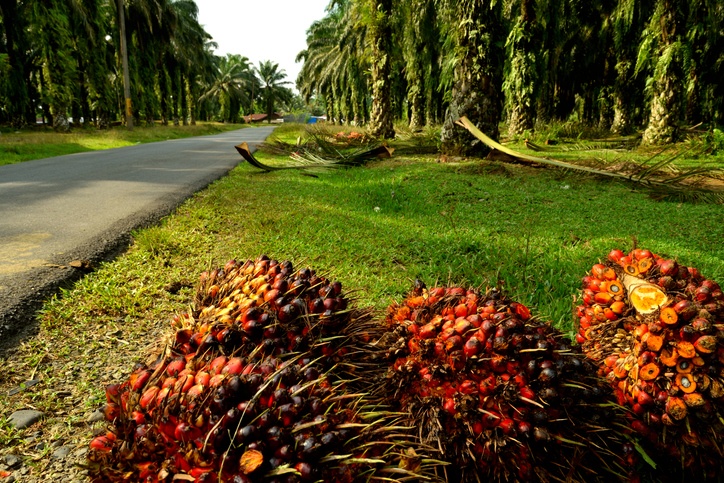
<point x="381" y="40"/>
<point x="668" y="97"/>
<point x="15" y="40"/>
<point x="478" y="78"/>
<point x="522" y="80"/>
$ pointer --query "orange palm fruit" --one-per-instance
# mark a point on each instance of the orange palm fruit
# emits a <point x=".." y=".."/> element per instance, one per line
<point x="676" y="408"/>
<point x="706" y="344"/>
<point x="686" y="383"/>
<point x="686" y="349"/>
<point x="652" y="341"/>
<point x="668" y="316"/>
<point x="649" y="372"/>
<point x="669" y="357"/>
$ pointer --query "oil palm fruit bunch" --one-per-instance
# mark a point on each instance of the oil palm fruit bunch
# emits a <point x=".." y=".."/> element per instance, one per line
<point x="245" y="419"/>
<point x="247" y="391"/>
<point x="268" y="306"/>
<point x="657" y="329"/>
<point x="496" y="389"/>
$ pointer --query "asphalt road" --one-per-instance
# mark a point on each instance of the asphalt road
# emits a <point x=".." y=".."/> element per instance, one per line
<point x="84" y="206"/>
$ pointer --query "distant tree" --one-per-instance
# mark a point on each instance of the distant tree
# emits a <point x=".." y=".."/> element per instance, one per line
<point x="273" y="86"/>
<point x="232" y="86"/>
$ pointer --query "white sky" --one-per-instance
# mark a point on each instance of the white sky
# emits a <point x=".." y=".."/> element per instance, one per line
<point x="273" y="30"/>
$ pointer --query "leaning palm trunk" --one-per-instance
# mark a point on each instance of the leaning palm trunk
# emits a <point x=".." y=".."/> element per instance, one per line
<point x="478" y="77"/>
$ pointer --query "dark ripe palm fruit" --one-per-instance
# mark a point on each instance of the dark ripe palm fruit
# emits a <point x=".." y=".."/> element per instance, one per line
<point x="663" y="352"/>
<point x="256" y="418"/>
<point x="268" y="306"/>
<point x="494" y="388"/>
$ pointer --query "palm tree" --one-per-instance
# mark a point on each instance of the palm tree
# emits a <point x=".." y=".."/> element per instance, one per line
<point x="422" y="42"/>
<point x="272" y="85"/>
<point x="235" y="78"/>
<point x="522" y="80"/>
<point x="476" y="91"/>
<point x="664" y="42"/>
<point x="336" y="61"/>
<point x="52" y="33"/>
<point x="380" y="37"/>
<point x="14" y="95"/>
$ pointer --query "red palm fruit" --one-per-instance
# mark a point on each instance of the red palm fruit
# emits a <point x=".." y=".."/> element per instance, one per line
<point x="686" y="309"/>
<point x="527" y="392"/>
<point x="706" y="344"/>
<point x="522" y="311"/>
<point x="202" y="377"/>
<point x="462" y="325"/>
<point x="603" y="298"/>
<point x="195" y="391"/>
<point x="461" y="310"/>
<point x="472" y="347"/>
<point x="102" y="444"/>
<point x="175" y="366"/>
<point x="507" y="425"/>
<point x="644" y="398"/>
<point x="615" y="255"/>
<point x="449" y="406"/>
<point x="169" y="382"/>
<point x="597" y="270"/>
<point x="184" y="384"/>
<point x="138" y="380"/>
<point x="702" y="294"/>
<point x="618" y="307"/>
<point x="475" y="320"/>
<point x="148" y="398"/>
<point x="113" y="393"/>
<point x="468" y="387"/>
<point x="111" y="411"/>
<point x="487" y="386"/>
<point x="428" y="331"/>
<point x="216" y="380"/>
<point x="234" y="366"/>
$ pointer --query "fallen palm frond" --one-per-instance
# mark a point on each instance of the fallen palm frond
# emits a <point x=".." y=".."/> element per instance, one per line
<point x="620" y="143"/>
<point x="307" y="160"/>
<point x="679" y="184"/>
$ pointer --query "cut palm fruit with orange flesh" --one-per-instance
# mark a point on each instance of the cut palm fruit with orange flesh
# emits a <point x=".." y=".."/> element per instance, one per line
<point x="644" y="296"/>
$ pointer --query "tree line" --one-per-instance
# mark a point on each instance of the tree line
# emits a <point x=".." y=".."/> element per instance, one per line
<point x="60" y="60"/>
<point x="623" y="65"/>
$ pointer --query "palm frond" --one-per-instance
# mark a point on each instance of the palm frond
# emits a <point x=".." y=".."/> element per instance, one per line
<point x="685" y="185"/>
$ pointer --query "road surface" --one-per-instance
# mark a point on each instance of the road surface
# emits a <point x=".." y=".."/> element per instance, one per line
<point x="83" y="206"/>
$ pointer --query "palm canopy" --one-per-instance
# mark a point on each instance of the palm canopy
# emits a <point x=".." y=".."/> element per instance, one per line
<point x="273" y="85"/>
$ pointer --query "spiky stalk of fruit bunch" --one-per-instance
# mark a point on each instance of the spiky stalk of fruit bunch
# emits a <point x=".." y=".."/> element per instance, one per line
<point x="657" y="329"/>
<point x="266" y="305"/>
<point x="243" y="419"/>
<point x="504" y="395"/>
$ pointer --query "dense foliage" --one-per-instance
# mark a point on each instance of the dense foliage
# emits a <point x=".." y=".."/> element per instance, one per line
<point x="60" y="60"/>
<point x="623" y="65"/>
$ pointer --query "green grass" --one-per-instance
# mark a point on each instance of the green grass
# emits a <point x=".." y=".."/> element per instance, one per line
<point x="377" y="228"/>
<point x="37" y="143"/>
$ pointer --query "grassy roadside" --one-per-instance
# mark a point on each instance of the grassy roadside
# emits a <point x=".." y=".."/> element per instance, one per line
<point x="19" y="146"/>
<point x="376" y="228"/>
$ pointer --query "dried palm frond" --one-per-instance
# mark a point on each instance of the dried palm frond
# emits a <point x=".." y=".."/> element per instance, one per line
<point x="684" y="185"/>
<point x="307" y="160"/>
